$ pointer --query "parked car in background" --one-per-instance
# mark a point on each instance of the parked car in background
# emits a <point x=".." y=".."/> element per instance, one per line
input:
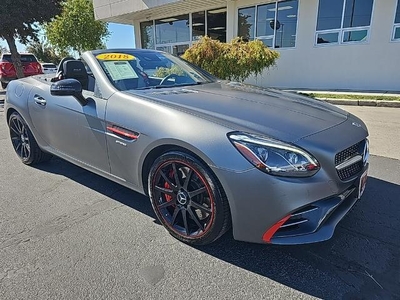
<point x="7" y="70"/>
<point x="49" y="68"/>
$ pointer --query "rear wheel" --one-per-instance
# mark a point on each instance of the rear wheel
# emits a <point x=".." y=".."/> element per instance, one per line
<point x="23" y="141"/>
<point x="188" y="199"/>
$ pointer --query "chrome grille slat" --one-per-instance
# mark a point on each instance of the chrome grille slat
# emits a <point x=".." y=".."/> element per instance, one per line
<point x="349" y="162"/>
<point x="294" y="222"/>
<point x="308" y="210"/>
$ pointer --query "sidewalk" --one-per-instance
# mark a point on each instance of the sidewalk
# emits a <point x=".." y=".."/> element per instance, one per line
<point x="371" y="98"/>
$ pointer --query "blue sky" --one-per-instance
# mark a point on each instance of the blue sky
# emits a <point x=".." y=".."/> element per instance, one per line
<point x="122" y="36"/>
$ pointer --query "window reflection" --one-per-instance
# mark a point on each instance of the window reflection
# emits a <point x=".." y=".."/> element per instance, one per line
<point x="172" y="30"/>
<point x="216" y="24"/>
<point x="178" y="50"/>
<point x="266" y="20"/>
<point x="246" y="22"/>
<point x="357" y="13"/>
<point x="330" y="14"/>
<point x="397" y="33"/>
<point x="172" y="34"/>
<point x="355" y="36"/>
<point x="147" y="34"/>
<point x="276" y="21"/>
<point x="287" y="19"/>
<point x="397" y="18"/>
<point x="198" y="25"/>
<point x="336" y="17"/>
<point x="328" y="38"/>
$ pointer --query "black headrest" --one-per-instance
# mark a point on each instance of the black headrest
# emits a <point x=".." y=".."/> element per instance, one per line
<point x="74" y="69"/>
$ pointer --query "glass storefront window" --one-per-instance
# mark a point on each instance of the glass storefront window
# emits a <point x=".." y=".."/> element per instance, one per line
<point x="355" y="36"/>
<point x="336" y="17"/>
<point x="147" y="34"/>
<point x="357" y="13"/>
<point x="266" y="20"/>
<point x="397" y="33"/>
<point x="328" y="38"/>
<point x="172" y="34"/>
<point x="276" y="24"/>
<point x="216" y="24"/>
<point x="172" y="30"/>
<point x="198" y="25"/>
<point x="286" y="18"/>
<point x="246" y="23"/>
<point x="396" y="29"/>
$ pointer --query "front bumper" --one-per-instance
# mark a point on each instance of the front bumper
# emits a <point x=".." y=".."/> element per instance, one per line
<point x="311" y="207"/>
<point x="317" y="221"/>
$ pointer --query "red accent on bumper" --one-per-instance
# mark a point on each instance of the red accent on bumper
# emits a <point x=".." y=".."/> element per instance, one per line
<point x="270" y="232"/>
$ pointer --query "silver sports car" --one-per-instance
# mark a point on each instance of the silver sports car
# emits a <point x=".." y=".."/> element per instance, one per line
<point x="276" y="167"/>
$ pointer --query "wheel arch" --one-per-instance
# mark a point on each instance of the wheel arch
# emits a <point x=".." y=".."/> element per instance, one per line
<point x="9" y="112"/>
<point x="159" y="150"/>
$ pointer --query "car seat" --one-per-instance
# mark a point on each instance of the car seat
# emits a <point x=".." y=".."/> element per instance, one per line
<point x="75" y="69"/>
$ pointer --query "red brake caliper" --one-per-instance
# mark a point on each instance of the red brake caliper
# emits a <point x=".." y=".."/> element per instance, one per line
<point x="167" y="186"/>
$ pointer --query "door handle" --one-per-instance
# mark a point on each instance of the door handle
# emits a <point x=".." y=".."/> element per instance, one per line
<point x="39" y="100"/>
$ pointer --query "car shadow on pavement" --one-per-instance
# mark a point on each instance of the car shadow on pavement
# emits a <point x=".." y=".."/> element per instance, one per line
<point x="361" y="261"/>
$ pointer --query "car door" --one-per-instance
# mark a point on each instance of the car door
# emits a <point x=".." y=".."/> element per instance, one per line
<point x="76" y="132"/>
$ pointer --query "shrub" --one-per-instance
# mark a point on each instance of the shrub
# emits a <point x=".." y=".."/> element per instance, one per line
<point x="163" y="72"/>
<point x="236" y="60"/>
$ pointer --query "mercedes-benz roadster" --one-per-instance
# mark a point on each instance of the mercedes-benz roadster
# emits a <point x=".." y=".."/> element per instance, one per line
<point x="275" y="166"/>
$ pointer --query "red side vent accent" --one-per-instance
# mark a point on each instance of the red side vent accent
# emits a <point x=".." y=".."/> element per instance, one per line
<point x="123" y="133"/>
<point x="270" y="232"/>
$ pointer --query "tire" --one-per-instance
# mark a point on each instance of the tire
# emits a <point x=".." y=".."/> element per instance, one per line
<point x="23" y="142"/>
<point x="4" y="85"/>
<point x="188" y="199"/>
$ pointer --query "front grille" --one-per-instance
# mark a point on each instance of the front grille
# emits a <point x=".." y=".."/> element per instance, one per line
<point x="350" y="171"/>
<point x="347" y="154"/>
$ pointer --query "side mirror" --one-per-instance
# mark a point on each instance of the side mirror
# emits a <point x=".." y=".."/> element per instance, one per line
<point x="69" y="87"/>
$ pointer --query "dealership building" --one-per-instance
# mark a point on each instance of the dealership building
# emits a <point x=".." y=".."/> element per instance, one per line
<point x="323" y="44"/>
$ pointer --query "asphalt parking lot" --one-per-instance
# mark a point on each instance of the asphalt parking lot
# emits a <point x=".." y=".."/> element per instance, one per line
<point x="66" y="233"/>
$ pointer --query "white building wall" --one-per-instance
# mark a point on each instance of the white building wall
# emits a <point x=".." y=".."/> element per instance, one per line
<point x="371" y="66"/>
<point x="374" y="65"/>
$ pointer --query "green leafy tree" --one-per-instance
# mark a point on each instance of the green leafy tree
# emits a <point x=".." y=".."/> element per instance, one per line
<point x="236" y="60"/>
<point x="75" y="28"/>
<point x="45" y="52"/>
<point x="19" y="19"/>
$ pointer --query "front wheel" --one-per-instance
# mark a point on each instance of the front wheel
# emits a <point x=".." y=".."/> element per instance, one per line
<point x="188" y="199"/>
<point x="23" y="142"/>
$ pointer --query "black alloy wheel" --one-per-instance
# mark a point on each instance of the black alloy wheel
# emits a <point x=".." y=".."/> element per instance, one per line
<point x="23" y="141"/>
<point x="187" y="199"/>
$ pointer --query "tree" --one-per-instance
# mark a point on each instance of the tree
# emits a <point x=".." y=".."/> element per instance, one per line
<point x="3" y="49"/>
<point x="236" y="60"/>
<point x="44" y="52"/>
<point x="75" y="28"/>
<point x="19" y="19"/>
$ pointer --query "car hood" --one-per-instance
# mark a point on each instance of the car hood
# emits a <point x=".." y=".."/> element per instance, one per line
<point x="281" y="115"/>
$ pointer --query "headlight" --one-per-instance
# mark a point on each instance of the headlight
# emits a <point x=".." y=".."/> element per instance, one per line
<point x="273" y="156"/>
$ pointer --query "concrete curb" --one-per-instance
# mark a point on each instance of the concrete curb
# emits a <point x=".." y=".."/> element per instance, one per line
<point x="371" y="102"/>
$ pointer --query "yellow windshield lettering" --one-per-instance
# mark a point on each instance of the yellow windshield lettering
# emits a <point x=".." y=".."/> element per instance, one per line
<point x="115" y="56"/>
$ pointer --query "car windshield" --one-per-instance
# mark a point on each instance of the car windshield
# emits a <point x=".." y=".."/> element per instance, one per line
<point x="25" y="58"/>
<point x="50" y="66"/>
<point x="144" y="69"/>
